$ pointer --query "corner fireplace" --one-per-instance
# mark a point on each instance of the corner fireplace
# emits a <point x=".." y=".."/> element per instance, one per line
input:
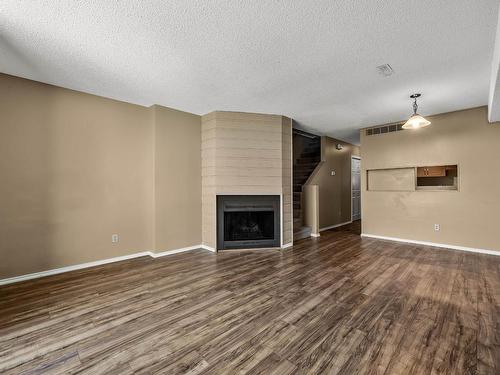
<point x="248" y="221"/>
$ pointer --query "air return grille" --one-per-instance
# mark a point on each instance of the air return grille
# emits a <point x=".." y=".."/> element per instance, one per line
<point x="385" y="129"/>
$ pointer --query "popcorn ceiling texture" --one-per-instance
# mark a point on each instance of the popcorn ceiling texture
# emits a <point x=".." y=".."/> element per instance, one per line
<point x="312" y="61"/>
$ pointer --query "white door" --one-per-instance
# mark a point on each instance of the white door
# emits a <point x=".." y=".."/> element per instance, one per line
<point x="356" y="188"/>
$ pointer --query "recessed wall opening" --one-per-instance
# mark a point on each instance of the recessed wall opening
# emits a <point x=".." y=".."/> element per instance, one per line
<point x="391" y="179"/>
<point x="440" y="177"/>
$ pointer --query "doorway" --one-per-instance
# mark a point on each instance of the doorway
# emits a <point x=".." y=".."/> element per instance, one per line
<point x="356" y="187"/>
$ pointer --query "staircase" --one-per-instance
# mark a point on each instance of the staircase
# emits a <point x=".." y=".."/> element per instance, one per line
<point x="303" y="166"/>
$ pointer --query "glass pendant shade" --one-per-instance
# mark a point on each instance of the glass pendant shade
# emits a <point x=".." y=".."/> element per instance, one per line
<point x="416" y="122"/>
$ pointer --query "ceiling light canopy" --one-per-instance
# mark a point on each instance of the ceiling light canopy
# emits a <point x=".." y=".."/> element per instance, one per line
<point x="416" y="121"/>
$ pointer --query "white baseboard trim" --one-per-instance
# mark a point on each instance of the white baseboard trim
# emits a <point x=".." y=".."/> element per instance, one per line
<point x="205" y="247"/>
<point x="335" y="226"/>
<point x="315" y="234"/>
<point x="80" y="266"/>
<point x="287" y="245"/>
<point x="75" y="267"/>
<point x="175" y="251"/>
<point x="425" y="243"/>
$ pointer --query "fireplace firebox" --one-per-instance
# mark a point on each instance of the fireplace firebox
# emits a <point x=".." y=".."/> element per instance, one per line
<point x="248" y="221"/>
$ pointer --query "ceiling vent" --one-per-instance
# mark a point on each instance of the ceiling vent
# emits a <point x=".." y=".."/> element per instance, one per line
<point x="385" y="70"/>
<point x="385" y="129"/>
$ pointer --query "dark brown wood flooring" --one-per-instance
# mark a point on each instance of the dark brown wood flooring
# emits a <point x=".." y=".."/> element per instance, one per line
<point x="338" y="304"/>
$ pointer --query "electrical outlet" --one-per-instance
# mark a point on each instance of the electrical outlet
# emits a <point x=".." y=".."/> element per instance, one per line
<point x="333" y="173"/>
<point x="114" y="238"/>
<point x="437" y="227"/>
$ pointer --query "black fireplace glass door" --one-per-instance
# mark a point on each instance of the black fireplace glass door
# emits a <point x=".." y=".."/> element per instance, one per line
<point x="245" y="225"/>
<point x="248" y="221"/>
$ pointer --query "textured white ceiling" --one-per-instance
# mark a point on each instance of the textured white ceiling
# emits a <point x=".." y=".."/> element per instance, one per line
<point x="311" y="60"/>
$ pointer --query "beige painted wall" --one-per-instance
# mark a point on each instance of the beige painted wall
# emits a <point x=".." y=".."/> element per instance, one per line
<point x="468" y="217"/>
<point x="244" y="153"/>
<point x="77" y="168"/>
<point x="334" y="191"/>
<point x="177" y="179"/>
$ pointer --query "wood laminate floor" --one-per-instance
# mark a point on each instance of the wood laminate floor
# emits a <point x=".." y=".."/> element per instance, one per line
<point x="336" y="304"/>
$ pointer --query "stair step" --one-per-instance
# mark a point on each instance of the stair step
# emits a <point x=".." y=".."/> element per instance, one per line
<point x="309" y="154"/>
<point x="304" y="167"/>
<point x="302" y="228"/>
<point x="316" y="147"/>
<point x="308" y="160"/>
<point x="312" y="149"/>
<point x="314" y="142"/>
<point x="303" y="174"/>
<point x="302" y="232"/>
<point x="299" y="181"/>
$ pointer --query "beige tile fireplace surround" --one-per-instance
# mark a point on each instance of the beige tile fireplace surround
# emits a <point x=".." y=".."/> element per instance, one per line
<point x="245" y="154"/>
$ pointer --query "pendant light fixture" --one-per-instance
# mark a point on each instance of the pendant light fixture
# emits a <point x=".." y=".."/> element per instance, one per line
<point x="415" y="121"/>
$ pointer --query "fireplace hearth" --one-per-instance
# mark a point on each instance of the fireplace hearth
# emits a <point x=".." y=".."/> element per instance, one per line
<point x="248" y="221"/>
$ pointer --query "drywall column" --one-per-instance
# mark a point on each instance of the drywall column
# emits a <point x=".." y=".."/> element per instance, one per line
<point x="311" y="208"/>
